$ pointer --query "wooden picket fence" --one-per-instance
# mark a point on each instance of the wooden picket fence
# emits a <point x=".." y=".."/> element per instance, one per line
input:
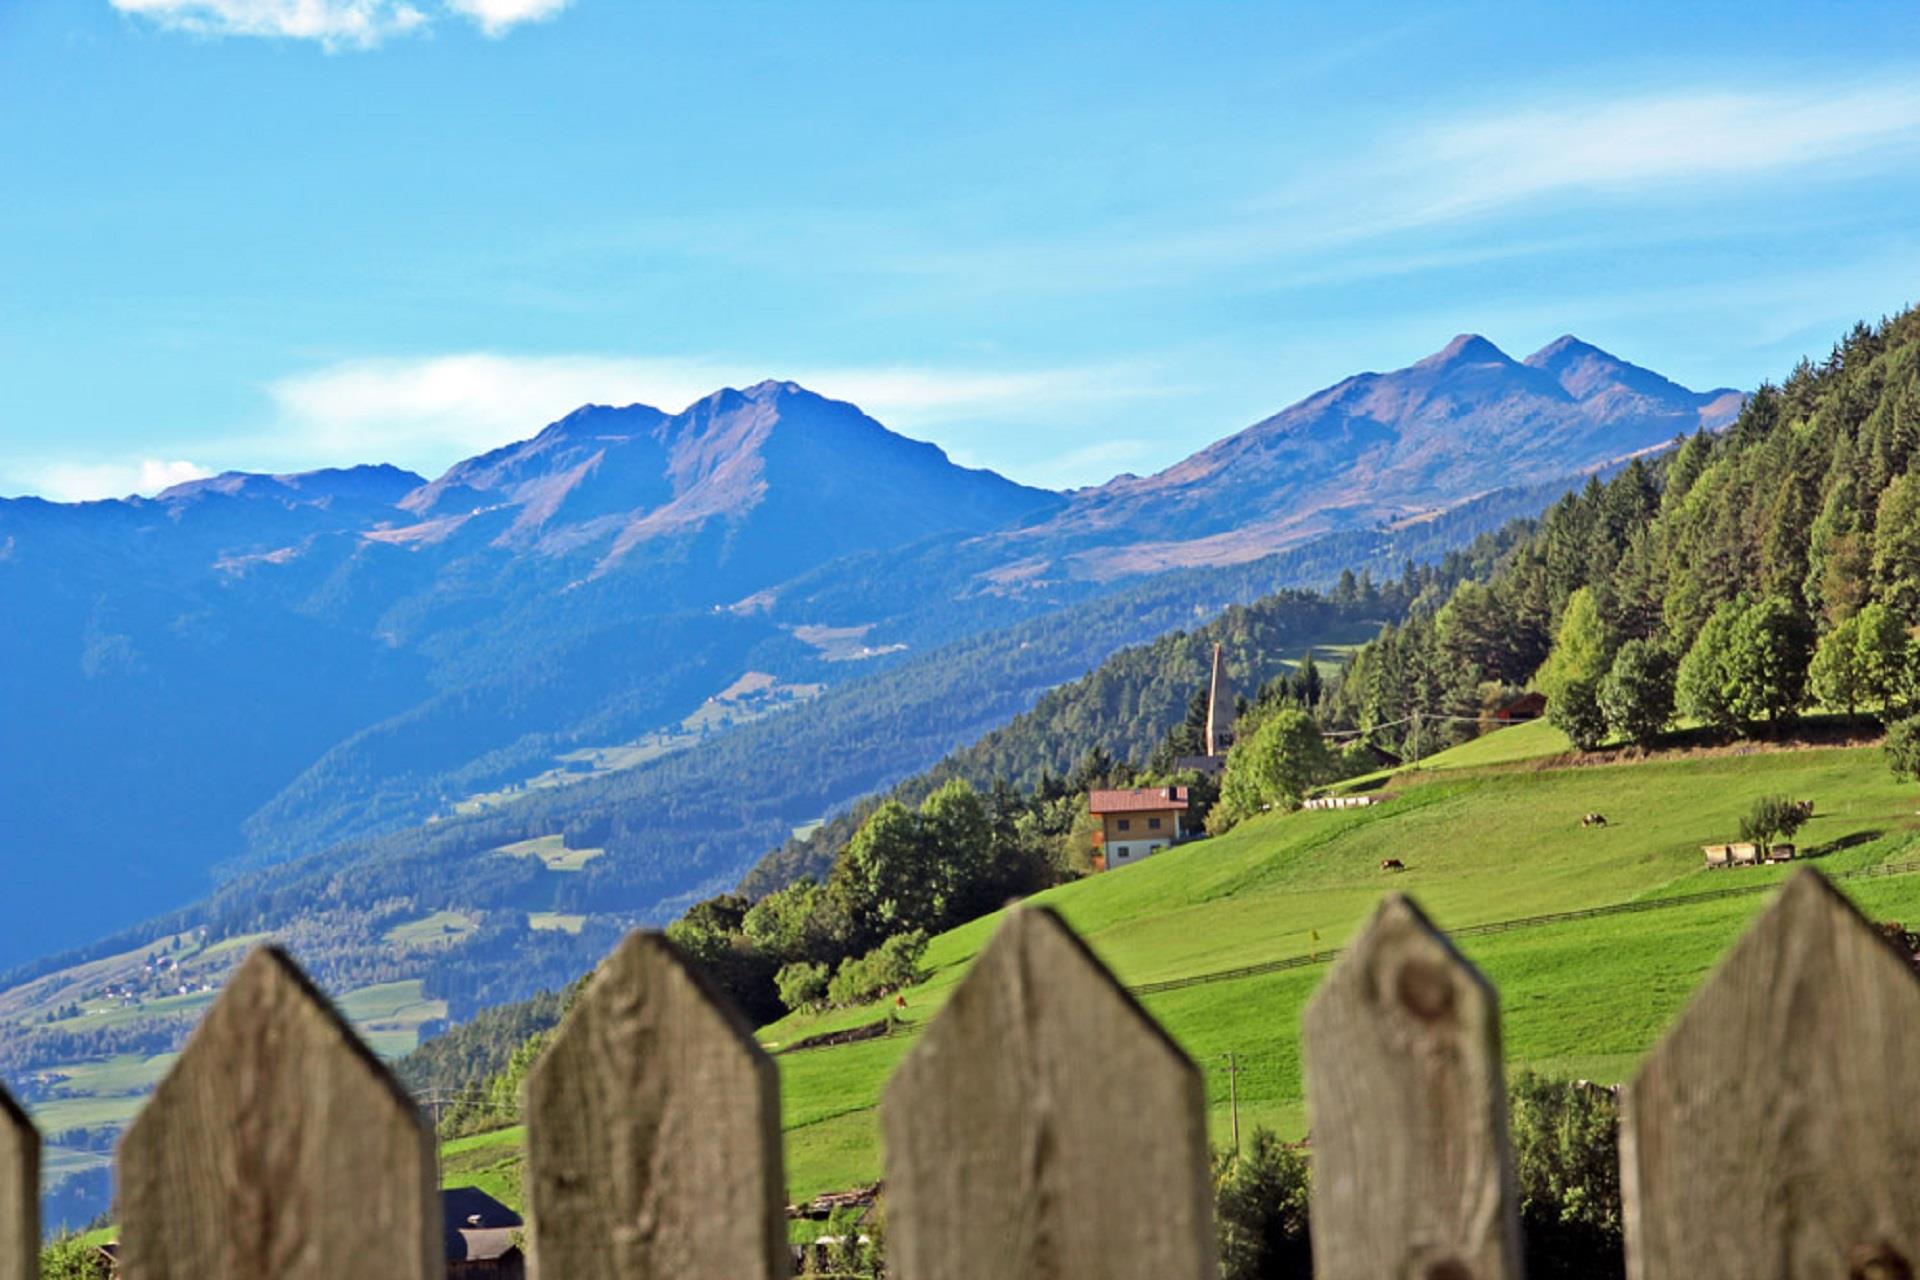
<point x="1045" y="1128"/>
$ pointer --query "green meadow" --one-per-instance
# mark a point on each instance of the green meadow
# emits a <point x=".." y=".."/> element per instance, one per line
<point x="1488" y="832"/>
<point x="552" y="851"/>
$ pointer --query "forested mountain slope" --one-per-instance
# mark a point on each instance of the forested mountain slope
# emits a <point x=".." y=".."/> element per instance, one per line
<point x="1751" y="574"/>
<point x="1125" y="707"/>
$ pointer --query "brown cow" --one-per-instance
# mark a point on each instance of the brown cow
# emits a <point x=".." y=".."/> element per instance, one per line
<point x="1392" y="864"/>
<point x="1594" y="820"/>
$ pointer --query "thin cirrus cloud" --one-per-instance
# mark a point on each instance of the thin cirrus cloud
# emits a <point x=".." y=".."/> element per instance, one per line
<point x="334" y="24"/>
<point x="428" y="412"/>
<point x="1481" y="175"/>
<point x="1661" y="142"/>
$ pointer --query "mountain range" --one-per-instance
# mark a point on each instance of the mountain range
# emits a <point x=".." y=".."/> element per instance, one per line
<point x="249" y="668"/>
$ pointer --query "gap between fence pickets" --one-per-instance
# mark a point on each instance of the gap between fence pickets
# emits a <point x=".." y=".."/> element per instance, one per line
<point x="1781" y="1088"/>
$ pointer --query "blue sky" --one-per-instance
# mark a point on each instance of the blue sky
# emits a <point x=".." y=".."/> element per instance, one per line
<point x="1060" y="240"/>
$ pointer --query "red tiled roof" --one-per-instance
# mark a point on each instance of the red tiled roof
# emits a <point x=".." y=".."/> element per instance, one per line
<point x="1138" y="800"/>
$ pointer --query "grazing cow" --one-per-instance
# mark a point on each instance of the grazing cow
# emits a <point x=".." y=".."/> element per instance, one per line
<point x="1804" y="808"/>
<point x="1594" y="820"/>
<point x="1392" y="864"/>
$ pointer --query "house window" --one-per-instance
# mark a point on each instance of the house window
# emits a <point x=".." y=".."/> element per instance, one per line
<point x="1154" y="823"/>
<point x="1126" y="824"/>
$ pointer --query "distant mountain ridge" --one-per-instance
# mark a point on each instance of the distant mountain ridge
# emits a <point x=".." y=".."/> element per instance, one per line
<point x="314" y="657"/>
<point x="1378" y="447"/>
<point x="795" y="477"/>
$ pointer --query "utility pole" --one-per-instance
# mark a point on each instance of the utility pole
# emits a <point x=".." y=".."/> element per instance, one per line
<point x="1416" y="737"/>
<point x="1233" y="1099"/>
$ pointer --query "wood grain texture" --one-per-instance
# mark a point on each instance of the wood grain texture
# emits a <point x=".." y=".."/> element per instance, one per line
<point x="1773" y="1131"/>
<point x="278" y="1146"/>
<point x="1412" y="1166"/>
<point x="1046" y="1128"/>
<point x="19" y="1192"/>
<point x="653" y="1132"/>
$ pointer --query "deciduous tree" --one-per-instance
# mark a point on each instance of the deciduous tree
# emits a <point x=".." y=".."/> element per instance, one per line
<point x="1767" y="652"/>
<point x="1702" y="683"/>
<point x="1571" y="675"/>
<point x="1637" y="694"/>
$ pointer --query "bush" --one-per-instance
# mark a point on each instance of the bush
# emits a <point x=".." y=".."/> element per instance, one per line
<point x="66" y="1257"/>
<point x="1260" y="1211"/>
<point x="1567" y="1165"/>
<point x="888" y="967"/>
<point x="1567" y="1172"/>
<point x="801" y="984"/>
<point x="1903" y="748"/>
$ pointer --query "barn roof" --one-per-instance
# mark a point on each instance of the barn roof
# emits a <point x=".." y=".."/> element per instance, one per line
<point x="474" y="1226"/>
<point x="1138" y="800"/>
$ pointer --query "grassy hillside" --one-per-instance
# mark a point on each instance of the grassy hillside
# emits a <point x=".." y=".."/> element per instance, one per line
<point x="1490" y="833"/>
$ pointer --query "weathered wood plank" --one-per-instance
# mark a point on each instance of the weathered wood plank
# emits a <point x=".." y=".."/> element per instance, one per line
<point x="278" y="1146"/>
<point x="1045" y="1127"/>
<point x="19" y="1192"/>
<point x="1773" y="1131"/>
<point x="1412" y="1167"/>
<point x="653" y="1132"/>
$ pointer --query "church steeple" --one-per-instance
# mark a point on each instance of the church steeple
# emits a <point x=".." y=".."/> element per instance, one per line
<point x="1219" y="707"/>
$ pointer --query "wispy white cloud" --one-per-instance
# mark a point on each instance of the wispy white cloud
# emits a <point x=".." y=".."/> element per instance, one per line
<point x="1686" y="141"/>
<point x="86" y="481"/>
<point x="1374" y="212"/>
<point x="431" y="410"/>
<point x="335" y="24"/>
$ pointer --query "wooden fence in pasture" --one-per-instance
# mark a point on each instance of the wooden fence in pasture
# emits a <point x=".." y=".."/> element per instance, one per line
<point x="1045" y="1128"/>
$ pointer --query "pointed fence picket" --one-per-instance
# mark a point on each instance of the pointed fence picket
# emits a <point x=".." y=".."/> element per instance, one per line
<point x="1045" y="1128"/>
<point x="19" y="1193"/>
<point x="1412" y="1169"/>
<point x="1773" y="1131"/>
<point x="653" y="1132"/>
<point x="277" y="1146"/>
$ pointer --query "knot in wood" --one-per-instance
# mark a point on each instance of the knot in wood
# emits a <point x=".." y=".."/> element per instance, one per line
<point x="1877" y="1262"/>
<point x="1425" y="990"/>
<point x="1446" y="1269"/>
